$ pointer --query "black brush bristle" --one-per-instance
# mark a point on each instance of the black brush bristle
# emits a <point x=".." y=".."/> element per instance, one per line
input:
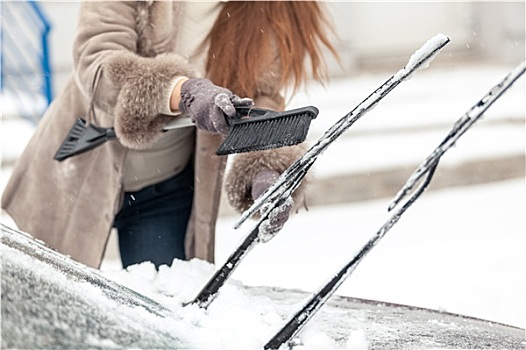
<point x="256" y="134"/>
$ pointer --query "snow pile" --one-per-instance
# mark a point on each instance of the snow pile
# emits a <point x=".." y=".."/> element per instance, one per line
<point x="234" y="319"/>
<point x="357" y="340"/>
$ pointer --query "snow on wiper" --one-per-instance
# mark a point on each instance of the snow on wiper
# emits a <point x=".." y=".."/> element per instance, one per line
<point x="291" y="178"/>
<point x="459" y="128"/>
<point x="298" y="320"/>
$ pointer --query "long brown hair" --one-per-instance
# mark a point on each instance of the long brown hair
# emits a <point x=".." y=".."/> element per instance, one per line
<point x="247" y="35"/>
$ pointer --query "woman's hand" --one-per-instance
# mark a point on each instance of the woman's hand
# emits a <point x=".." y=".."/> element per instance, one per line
<point x="279" y="215"/>
<point x="207" y="104"/>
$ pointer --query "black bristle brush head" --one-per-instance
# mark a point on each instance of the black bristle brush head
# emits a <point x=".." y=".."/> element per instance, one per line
<point x="264" y="129"/>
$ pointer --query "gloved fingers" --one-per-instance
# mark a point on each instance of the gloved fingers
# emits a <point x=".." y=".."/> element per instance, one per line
<point x="241" y="102"/>
<point x="222" y="101"/>
<point x="275" y="221"/>
<point x="281" y="214"/>
<point x="219" y="123"/>
<point x="208" y="104"/>
<point x="203" y="123"/>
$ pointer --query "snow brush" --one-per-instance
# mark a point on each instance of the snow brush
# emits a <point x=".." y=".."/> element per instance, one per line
<point x="263" y="129"/>
<point x="251" y="129"/>
<point x="421" y="176"/>
<point x="291" y="178"/>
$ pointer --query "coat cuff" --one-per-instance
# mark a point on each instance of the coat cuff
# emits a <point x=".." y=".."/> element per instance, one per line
<point x="245" y="166"/>
<point x="141" y="101"/>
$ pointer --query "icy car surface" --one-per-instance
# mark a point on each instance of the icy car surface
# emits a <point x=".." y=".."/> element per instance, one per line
<point x="50" y="301"/>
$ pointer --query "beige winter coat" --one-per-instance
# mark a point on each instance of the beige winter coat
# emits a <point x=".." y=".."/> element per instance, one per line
<point x="71" y="205"/>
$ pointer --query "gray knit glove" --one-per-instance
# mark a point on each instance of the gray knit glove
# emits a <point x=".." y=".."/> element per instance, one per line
<point x="207" y="104"/>
<point x="277" y="217"/>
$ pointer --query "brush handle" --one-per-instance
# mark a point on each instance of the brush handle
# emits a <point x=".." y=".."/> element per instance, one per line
<point x="184" y="121"/>
<point x="180" y="121"/>
<point x="248" y="112"/>
<point x="254" y="113"/>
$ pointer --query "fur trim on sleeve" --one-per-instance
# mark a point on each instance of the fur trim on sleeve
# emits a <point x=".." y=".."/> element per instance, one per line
<point x="143" y="82"/>
<point x="245" y="166"/>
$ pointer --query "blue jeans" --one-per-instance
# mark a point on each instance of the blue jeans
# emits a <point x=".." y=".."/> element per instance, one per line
<point x="152" y="222"/>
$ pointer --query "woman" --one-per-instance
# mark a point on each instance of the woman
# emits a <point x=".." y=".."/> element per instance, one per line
<point x="137" y="64"/>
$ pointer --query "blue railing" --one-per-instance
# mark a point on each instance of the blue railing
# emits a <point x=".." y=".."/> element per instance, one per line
<point x="26" y="77"/>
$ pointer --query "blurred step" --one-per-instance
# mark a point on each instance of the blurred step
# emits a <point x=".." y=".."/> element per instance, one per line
<point x="387" y="182"/>
<point x="367" y="185"/>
